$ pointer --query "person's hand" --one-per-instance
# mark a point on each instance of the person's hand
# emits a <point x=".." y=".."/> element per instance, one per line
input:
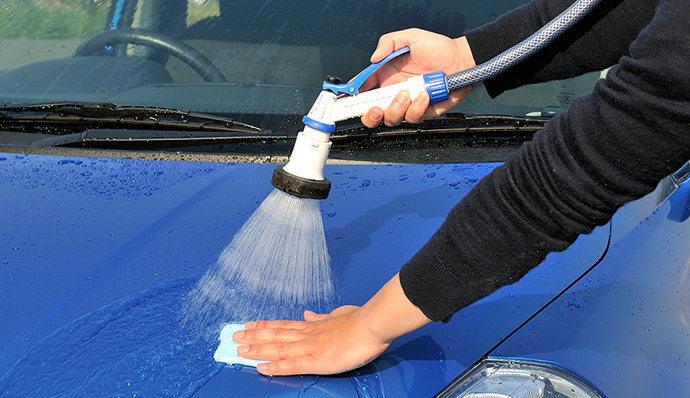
<point x="322" y="344"/>
<point x="429" y="52"/>
<point x="345" y="339"/>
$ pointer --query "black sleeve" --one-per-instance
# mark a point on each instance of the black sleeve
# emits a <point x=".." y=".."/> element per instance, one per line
<point x="610" y="147"/>
<point x="593" y="44"/>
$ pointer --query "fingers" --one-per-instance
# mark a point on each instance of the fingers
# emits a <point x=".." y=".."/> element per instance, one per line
<point x="373" y="117"/>
<point x="418" y="108"/>
<point x="274" y="324"/>
<point x="271" y="351"/>
<point x="267" y="335"/>
<point x="322" y="344"/>
<point x="395" y="112"/>
<point x="285" y="350"/>
<point x="401" y="108"/>
<point x="290" y="366"/>
<point x="280" y="368"/>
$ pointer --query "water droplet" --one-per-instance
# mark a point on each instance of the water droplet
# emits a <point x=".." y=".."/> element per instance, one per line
<point x="431" y="175"/>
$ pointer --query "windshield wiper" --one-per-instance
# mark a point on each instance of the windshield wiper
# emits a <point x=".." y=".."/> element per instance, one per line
<point x="450" y="124"/>
<point x="72" y="117"/>
<point x="449" y="138"/>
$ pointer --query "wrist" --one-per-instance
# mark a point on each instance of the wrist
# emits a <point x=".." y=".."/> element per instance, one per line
<point x="390" y="314"/>
<point x="465" y="57"/>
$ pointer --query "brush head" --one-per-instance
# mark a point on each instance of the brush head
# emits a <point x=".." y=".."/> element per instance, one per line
<point x="298" y="186"/>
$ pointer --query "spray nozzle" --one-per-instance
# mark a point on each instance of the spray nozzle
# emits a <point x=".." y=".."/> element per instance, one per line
<point x="303" y="174"/>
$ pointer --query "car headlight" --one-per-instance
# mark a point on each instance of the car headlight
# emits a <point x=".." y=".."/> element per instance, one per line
<point x="518" y="378"/>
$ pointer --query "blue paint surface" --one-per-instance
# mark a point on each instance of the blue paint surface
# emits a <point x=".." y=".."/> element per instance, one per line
<point x="96" y="254"/>
<point x="625" y="326"/>
<point x="133" y="347"/>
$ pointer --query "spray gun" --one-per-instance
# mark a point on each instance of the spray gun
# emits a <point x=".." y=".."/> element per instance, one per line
<point x="303" y="176"/>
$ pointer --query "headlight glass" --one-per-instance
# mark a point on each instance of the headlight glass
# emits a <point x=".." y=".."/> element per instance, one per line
<point x="518" y="378"/>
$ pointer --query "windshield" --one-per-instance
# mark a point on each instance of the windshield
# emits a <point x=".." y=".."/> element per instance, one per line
<point x="259" y="62"/>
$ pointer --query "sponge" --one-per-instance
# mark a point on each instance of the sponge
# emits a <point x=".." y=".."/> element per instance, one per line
<point x="227" y="350"/>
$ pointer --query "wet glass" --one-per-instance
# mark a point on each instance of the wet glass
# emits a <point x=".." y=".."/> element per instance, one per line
<point x="260" y="62"/>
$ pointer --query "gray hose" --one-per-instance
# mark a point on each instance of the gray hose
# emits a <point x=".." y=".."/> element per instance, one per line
<point x="522" y="50"/>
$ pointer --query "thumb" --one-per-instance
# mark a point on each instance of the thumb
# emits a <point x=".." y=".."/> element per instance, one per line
<point x="311" y="316"/>
<point x="385" y="46"/>
<point x="394" y="41"/>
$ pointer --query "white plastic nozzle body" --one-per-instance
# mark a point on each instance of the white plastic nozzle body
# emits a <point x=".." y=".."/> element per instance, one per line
<point x="309" y="155"/>
<point x="312" y="146"/>
<point x="355" y="106"/>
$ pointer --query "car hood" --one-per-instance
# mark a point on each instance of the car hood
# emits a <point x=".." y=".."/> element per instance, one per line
<point x="624" y="326"/>
<point x="96" y="252"/>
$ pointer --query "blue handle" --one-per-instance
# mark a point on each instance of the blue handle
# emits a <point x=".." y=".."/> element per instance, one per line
<point x="353" y="85"/>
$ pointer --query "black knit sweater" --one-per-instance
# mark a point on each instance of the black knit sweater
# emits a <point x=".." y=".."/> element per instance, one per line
<point x="610" y="147"/>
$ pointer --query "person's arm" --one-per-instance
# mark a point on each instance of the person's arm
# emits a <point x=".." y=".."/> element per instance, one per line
<point x="610" y="147"/>
<point x="593" y="44"/>
<point x="347" y="338"/>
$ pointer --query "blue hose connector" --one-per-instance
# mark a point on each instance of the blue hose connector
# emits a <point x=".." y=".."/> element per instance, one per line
<point x="317" y="125"/>
<point x="435" y="85"/>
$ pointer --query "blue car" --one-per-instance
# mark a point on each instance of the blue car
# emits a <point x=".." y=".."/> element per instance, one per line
<point x="138" y="137"/>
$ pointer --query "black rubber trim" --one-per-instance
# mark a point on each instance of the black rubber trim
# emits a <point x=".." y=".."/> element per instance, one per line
<point x="298" y="186"/>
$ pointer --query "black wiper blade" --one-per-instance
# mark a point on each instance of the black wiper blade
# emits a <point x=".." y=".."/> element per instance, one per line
<point x="66" y="117"/>
<point x="450" y="123"/>
<point x="133" y="139"/>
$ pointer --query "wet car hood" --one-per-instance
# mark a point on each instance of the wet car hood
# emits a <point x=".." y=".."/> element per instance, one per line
<point x="625" y="326"/>
<point x="96" y="252"/>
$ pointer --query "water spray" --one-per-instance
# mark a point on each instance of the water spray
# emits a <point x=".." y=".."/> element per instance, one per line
<point x="303" y="176"/>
